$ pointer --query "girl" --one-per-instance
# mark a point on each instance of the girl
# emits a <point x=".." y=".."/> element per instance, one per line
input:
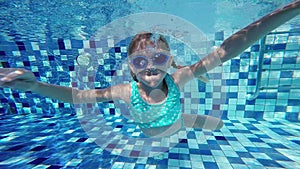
<point x="153" y="97"/>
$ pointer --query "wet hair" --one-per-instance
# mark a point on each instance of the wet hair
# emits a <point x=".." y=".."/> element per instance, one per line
<point x="142" y="40"/>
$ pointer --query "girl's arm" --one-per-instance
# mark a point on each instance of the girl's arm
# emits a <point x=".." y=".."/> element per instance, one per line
<point x="239" y="41"/>
<point x="72" y="95"/>
<point x="24" y="80"/>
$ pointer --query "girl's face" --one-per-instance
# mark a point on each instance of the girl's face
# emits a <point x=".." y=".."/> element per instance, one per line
<point x="150" y="65"/>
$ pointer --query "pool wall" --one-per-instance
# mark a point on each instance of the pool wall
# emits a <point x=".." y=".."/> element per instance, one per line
<point x="53" y="61"/>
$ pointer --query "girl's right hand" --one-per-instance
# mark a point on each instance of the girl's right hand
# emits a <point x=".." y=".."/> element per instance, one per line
<point x="19" y="79"/>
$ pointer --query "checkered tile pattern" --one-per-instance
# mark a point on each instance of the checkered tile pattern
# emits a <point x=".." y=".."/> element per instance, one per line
<point x="60" y="142"/>
<point x="225" y="94"/>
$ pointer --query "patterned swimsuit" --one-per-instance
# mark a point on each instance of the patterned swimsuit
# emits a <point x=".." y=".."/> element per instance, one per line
<point x="148" y="115"/>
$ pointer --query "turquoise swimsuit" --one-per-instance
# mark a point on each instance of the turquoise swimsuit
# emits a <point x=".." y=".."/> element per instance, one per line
<point x="159" y="114"/>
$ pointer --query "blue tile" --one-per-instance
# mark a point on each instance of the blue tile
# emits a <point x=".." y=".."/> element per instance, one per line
<point x="278" y="157"/>
<point x="262" y="136"/>
<point x="21" y="46"/>
<point x="16" y="148"/>
<point x="139" y="166"/>
<point x="250" y="127"/>
<point x="231" y="82"/>
<point x="61" y="44"/>
<point x="76" y="44"/>
<point x="81" y="140"/>
<point x="201" y="88"/>
<point x="284" y="89"/>
<point x="254" y="114"/>
<point x="279" y="46"/>
<point x="232" y="94"/>
<point x="240" y="107"/>
<point x="205" y="152"/>
<point x="191" y="135"/>
<point x="194" y="151"/>
<point x="220" y="138"/>
<point x="2" y="53"/>
<point x="244" y="154"/>
<point x="215" y="147"/>
<point x="280" y="131"/>
<point x="219" y="35"/>
<point x="252" y="149"/>
<point x="54" y="167"/>
<point x="289" y="60"/>
<point x="267" y="61"/>
<point x="245" y="55"/>
<point x="280" y="108"/>
<point x="184" y="157"/>
<point x="162" y="163"/>
<point x="182" y="145"/>
<point x="269" y="163"/>
<point x="292" y="116"/>
<point x="210" y="165"/>
<point x="38" y="161"/>
<point x="286" y="74"/>
<point x="231" y="138"/>
<point x="208" y="95"/>
<point x="234" y="69"/>
<point x="173" y="155"/>
<point x="251" y="82"/>
<point x="296" y="141"/>
<point x="255" y="48"/>
<point x="255" y="140"/>
<point x="253" y="68"/>
<point x="293" y="102"/>
<point x="38" y="148"/>
<point x="235" y="160"/>
<point x="243" y="75"/>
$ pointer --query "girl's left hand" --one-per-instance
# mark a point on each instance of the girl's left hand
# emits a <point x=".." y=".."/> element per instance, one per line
<point x="19" y="79"/>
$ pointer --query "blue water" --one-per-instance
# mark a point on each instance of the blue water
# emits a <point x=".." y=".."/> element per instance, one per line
<point x="47" y="36"/>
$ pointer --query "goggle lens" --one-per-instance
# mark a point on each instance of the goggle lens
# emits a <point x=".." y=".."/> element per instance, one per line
<point x="160" y="59"/>
<point x="141" y="62"/>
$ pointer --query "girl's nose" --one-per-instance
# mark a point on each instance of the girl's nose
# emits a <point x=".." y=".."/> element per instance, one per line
<point x="150" y="65"/>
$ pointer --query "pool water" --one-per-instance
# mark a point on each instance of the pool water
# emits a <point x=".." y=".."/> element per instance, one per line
<point x="38" y="132"/>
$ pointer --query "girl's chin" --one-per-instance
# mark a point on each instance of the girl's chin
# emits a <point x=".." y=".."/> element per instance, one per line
<point x="153" y="80"/>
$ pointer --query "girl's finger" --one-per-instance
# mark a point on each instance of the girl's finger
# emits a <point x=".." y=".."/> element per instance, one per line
<point x="11" y="76"/>
<point x="15" y="85"/>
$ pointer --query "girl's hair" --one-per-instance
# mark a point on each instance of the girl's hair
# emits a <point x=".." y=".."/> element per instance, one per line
<point x="142" y="40"/>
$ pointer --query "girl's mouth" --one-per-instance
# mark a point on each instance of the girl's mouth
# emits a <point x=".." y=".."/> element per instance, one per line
<point x="151" y="72"/>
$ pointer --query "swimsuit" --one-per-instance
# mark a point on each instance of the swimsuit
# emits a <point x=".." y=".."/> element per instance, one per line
<point x="148" y="115"/>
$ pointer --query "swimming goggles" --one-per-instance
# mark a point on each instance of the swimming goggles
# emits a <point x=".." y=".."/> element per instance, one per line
<point x="157" y="60"/>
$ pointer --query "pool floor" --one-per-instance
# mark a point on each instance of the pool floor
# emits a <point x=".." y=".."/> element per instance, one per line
<point x="29" y="141"/>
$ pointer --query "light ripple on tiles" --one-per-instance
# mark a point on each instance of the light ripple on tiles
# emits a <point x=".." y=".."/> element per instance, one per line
<point x="290" y="153"/>
<point x="197" y="165"/>
<point x="289" y="164"/>
<point x="279" y="138"/>
<point x="185" y="163"/>
<point x="251" y="161"/>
